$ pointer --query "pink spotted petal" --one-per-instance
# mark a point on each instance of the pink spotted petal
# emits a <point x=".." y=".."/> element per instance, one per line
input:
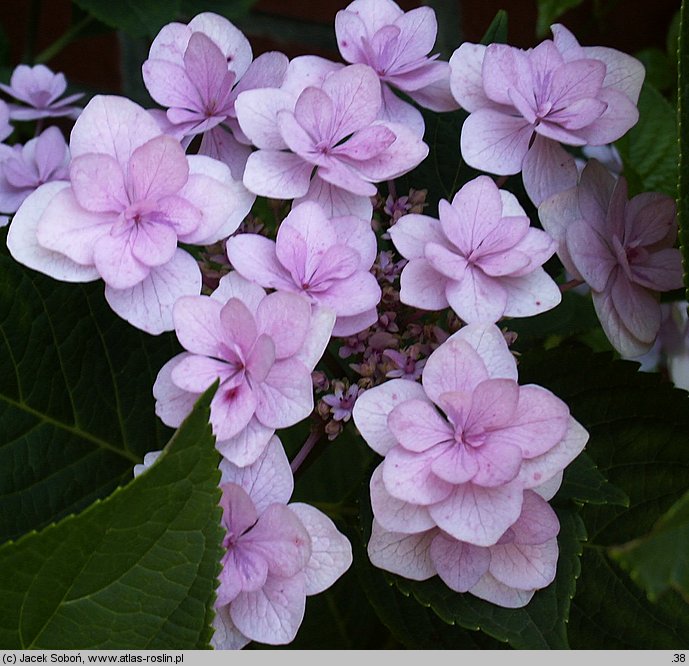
<point x="231" y="410"/>
<point x="276" y="174"/>
<point x="173" y="404"/>
<point x="422" y="286"/>
<point x="246" y="447"/>
<point x="285" y="318"/>
<point x="417" y="426"/>
<point x="286" y="395"/>
<point x="547" y="169"/>
<point x="498" y="463"/>
<point x="158" y="168"/>
<point x="477" y="297"/>
<point x="530" y="294"/>
<point x="198" y="325"/>
<point x="457" y="464"/>
<point x="412" y="232"/>
<point x="409" y="476"/>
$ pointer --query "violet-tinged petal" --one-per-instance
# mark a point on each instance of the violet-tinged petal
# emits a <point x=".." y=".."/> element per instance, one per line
<point x="23" y="242"/>
<point x="396" y="515"/>
<point x="285" y="317"/>
<point x="237" y="324"/>
<point x="404" y="554"/>
<point x="272" y="614"/>
<point x="357" y="234"/>
<point x="457" y="464"/>
<point x="417" y="426"/>
<point x="490" y="589"/>
<point x="396" y="110"/>
<point x="115" y="260"/>
<point x="231" y="409"/>
<point x="196" y="373"/>
<point x="335" y="201"/>
<point x="450" y="265"/>
<point x="305" y="71"/>
<point x="254" y="257"/>
<point x="267" y="480"/>
<point x="152" y="244"/>
<point x="206" y="66"/>
<point x="422" y="286"/>
<point x="239" y="512"/>
<point x="661" y="271"/>
<point x="286" y="395"/>
<point x="477" y="297"/>
<point x="413" y="231"/>
<point x="437" y="96"/>
<point x="373" y="406"/>
<point x="524" y="566"/>
<point x="547" y="169"/>
<point x="366" y="144"/>
<point x="637" y="307"/>
<point x="498" y="464"/>
<point x="650" y="218"/>
<point x="454" y="366"/>
<point x="169" y="84"/>
<point x="345" y="177"/>
<point x="156" y="169"/>
<point x="556" y="214"/>
<point x="619" y="116"/>
<point x="246" y="446"/>
<point x="352" y="324"/>
<point x="623" y="72"/>
<point x="460" y="565"/>
<point x="320" y="329"/>
<point x="112" y="125"/>
<point x="530" y="294"/>
<point x="506" y="68"/>
<point x="276" y="174"/>
<point x="198" y="325"/>
<point x="466" y="78"/>
<point x="148" y="305"/>
<point x="408" y="476"/>
<point x="352" y="295"/>
<point x="495" y="142"/>
<point x="261" y="359"/>
<point x="98" y="183"/>
<point x="221" y="145"/>
<point x="51" y="155"/>
<point x="537" y="523"/>
<point x="536" y="471"/>
<point x="489" y="343"/>
<point x="479" y="515"/>
<point x="173" y="404"/>
<point x="493" y="406"/>
<point x="257" y="112"/>
<point x="591" y="254"/>
<point x="331" y="552"/>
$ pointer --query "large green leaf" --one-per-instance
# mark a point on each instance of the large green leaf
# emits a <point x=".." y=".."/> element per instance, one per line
<point x="549" y="11"/>
<point x="649" y="149"/>
<point x="638" y="426"/>
<point x="76" y="409"/>
<point x="658" y="562"/>
<point x="683" y="122"/>
<point x="139" y="19"/>
<point x="137" y="570"/>
<point x="583" y="482"/>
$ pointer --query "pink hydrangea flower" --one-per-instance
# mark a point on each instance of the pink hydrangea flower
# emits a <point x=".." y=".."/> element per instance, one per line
<point x="197" y="70"/>
<point x="465" y="468"/>
<point x="261" y="348"/>
<point x="396" y="45"/>
<point x="133" y="195"/>
<point x="507" y="573"/>
<point x="623" y="249"/>
<point x="40" y="89"/>
<point x="277" y="554"/>
<point x="329" y="261"/>
<point x="481" y="258"/>
<point x="320" y="137"/>
<point x="524" y="104"/>
<point x="24" y="168"/>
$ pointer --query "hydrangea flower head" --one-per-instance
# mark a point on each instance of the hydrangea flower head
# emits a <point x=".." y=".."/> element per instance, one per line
<point x="320" y="138"/>
<point x="481" y="258"/>
<point x="132" y="196"/>
<point x="24" y="168"/>
<point x="276" y="555"/>
<point x="461" y="447"/>
<point x="261" y="347"/>
<point x="197" y="71"/>
<point x="396" y="45"/>
<point x="524" y="104"/>
<point x="326" y="260"/>
<point x="623" y="249"/>
<point x="39" y="88"/>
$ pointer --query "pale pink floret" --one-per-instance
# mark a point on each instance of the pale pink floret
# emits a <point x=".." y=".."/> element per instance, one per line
<point x="39" y="88"/>
<point x="261" y="348"/>
<point x="277" y="554"/>
<point x="464" y="468"/>
<point x="320" y="137"/>
<point x="481" y="258"/>
<point x="623" y="249"/>
<point x="133" y="196"/>
<point x="328" y="261"/>
<point x="396" y="45"/>
<point x="524" y="104"/>
<point x="507" y="573"/>
<point x="197" y="71"/>
<point x="24" y="168"/>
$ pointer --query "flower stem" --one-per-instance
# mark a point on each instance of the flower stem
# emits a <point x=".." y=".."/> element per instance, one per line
<point x="311" y="441"/>
<point x="570" y="285"/>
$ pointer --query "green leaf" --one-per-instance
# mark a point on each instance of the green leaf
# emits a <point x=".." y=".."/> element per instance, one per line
<point x="658" y="562"/>
<point x="76" y="408"/>
<point x="660" y="70"/>
<point x="548" y="13"/>
<point x="649" y="149"/>
<point x="610" y="612"/>
<point x="230" y="9"/>
<point x="683" y="121"/>
<point x="540" y="625"/>
<point x="137" y="570"/>
<point x="583" y="482"/>
<point x="497" y="30"/>
<point x="139" y="19"/>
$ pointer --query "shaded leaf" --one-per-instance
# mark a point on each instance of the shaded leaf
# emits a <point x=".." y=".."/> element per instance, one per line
<point x="583" y="482"/>
<point x="549" y="11"/>
<point x="497" y="30"/>
<point x="658" y="562"/>
<point x="76" y="408"/>
<point x="683" y="120"/>
<point x="139" y="19"/>
<point x="137" y="570"/>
